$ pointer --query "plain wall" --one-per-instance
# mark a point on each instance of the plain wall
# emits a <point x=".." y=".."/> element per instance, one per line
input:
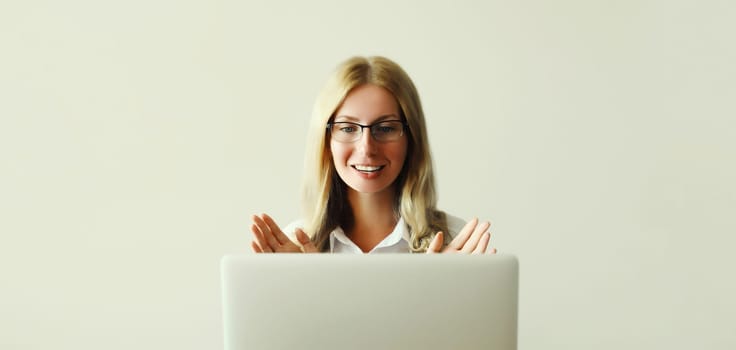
<point x="137" y="138"/>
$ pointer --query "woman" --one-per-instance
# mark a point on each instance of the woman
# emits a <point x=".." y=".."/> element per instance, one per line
<point x="369" y="184"/>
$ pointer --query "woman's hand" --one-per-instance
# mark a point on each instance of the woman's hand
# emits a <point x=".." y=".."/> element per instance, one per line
<point x="472" y="239"/>
<point x="270" y="239"/>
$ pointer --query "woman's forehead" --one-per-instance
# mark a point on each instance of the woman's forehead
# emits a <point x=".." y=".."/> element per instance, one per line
<point x="368" y="102"/>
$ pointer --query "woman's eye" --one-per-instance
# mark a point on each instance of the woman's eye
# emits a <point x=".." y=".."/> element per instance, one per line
<point x="348" y="129"/>
<point x="385" y="129"/>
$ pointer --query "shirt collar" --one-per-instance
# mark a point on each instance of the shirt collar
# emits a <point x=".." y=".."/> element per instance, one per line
<point x="399" y="234"/>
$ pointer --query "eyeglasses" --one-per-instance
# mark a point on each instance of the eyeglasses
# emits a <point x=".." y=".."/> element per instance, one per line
<point x="383" y="131"/>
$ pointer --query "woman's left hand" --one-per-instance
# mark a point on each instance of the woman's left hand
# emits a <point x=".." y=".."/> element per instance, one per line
<point x="472" y="239"/>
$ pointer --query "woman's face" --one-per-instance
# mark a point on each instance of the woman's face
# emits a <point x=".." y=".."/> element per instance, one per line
<point x="368" y="165"/>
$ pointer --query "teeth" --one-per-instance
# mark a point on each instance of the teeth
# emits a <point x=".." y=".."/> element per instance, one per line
<point x="366" y="167"/>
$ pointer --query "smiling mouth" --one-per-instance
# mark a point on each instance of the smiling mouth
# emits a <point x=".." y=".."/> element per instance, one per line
<point x="367" y="168"/>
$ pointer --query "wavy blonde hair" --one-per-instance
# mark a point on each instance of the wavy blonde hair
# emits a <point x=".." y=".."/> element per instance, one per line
<point x="324" y="197"/>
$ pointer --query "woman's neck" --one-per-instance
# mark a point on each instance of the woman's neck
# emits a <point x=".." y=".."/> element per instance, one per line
<point x="373" y="218"/>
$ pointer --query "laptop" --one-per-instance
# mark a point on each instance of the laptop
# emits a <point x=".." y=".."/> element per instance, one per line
<point x="386" y="301"/>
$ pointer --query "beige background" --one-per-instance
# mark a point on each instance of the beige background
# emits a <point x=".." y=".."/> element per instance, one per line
<point x="137" y="137"/>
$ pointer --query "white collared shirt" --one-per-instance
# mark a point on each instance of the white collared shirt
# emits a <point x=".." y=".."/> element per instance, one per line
<point x="396" y="242"/>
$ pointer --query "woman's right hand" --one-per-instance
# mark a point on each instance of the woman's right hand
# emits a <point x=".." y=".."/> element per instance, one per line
<point x="268" y="238"/>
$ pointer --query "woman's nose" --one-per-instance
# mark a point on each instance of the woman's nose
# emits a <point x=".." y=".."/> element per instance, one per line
<point x="366" y="142"/>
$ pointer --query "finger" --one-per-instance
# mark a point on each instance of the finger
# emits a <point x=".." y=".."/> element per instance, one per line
<point x="482" y="244"/>
<point x="273" y="243"/>
<point x="260" y="239"/>
<point x="493" y="251"/>
<point x="472" y="242"/>
<point x="278" y="234"/>
<point x="307" y="244"/>
<point x="255" y="247"/>
<point x="436" y="244"/>
<point x="464" y="234"/>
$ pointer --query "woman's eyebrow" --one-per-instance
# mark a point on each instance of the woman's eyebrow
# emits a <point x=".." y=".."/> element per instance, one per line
<point x="355" y="119"/>
<point x="346" y="118"/>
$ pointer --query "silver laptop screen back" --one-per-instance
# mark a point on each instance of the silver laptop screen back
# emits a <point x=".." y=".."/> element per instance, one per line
<point x="391" y="301"/>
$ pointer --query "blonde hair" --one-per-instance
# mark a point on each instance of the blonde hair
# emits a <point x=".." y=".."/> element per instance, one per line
<point x="324" y="197"/>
